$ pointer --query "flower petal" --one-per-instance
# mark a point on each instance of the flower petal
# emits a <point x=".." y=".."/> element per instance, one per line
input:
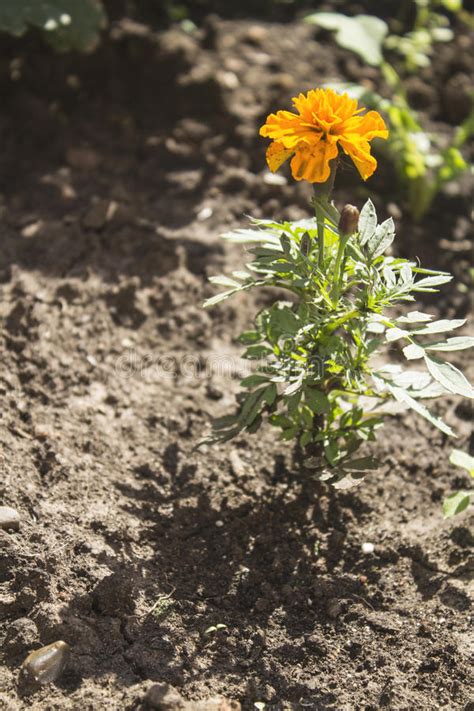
<point x="289" y="129"/>
<point x="311" y="163"/>
<point x="359" y="150"/>
<point x="277" y="154"/>
<point x="368" y="127"/>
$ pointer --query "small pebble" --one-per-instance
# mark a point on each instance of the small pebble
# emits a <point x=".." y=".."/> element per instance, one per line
<point x="46" y="664"/>
<point x="368" y="548"/>
<point x="274" y="179"/>
<point x="204" y="214"/>
<point x="237" y="465"/>
<point x="9" y="518"/>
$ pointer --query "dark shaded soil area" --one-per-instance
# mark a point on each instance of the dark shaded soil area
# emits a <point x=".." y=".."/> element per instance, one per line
<point x="118" y="172"/>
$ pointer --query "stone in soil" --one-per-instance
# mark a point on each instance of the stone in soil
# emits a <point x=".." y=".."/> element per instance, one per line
<point x="9" y="518"/>
<point x="45" y="665"/>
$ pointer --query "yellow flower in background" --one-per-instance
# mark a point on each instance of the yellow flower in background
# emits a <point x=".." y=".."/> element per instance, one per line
<point x="325" y="121"/>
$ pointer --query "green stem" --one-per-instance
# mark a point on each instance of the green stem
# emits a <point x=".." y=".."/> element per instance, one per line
<point x="320" y="221"/>
<point x="343" y="239"/>
<point x="322" y="194"/>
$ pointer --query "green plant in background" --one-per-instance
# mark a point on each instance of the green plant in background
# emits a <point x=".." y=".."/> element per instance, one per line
<point x="424" y="163"/>
<point x="460" y="500"/>
<point x="315" y="378"/>
<point x="66" y="24"/>
<point x="430" y="26"/>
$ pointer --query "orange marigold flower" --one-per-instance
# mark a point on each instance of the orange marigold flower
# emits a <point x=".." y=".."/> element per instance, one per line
<point x="324" y="120"/>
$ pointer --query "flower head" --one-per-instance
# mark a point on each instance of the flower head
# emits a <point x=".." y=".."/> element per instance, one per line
<point x="325" y="121"/>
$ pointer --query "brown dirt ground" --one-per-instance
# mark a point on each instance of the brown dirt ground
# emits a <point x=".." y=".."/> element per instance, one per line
<point x="131" y="544"/>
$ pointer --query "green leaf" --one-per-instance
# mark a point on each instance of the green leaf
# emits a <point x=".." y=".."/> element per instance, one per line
<point x="67" y="24"/>
<point x="457" y="343"/>
<point x="449" y="377"/>
<point x="249" y="337"/>
<point x="270" y="394"/>
<point x="327" y="210"/>
<point x="289" y="433"/>
<point x="440" y="326"/>
<point x="402" y="396"/>
<point x="413" y="351"/>
<point x="456" y="503"/>
<point x="292" y="402"/>
<point x="241" y="275"/>
<point x="222" y="423"/>
<point x="367" y="222"/>
<point x="394" y="334"/>
<point x="256" y="352"/>
<point x="224" y="281"/>
<point x="362" y="464"/>
<point x="415" y="317"/>
<point x="251" y="380"/>
<point x="381" y="239"/>
<point x="283" y="321"/>
<point x="280" y="421"/>
<point x="462" y="459"/>
<point x="429" y="282"/>
<point x="305" y="439"/>
<point x="362" y="34"/>
<point x="317" y="401"/>
<point x="218" y="298"/>
<point x="246" y="236"/>
<point x="332" y="453"/>
<point x="251" y="406"/>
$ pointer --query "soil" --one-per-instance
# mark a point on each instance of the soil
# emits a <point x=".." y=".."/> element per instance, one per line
<point x="119" y="171"/>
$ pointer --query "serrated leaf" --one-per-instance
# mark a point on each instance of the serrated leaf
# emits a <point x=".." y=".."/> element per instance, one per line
<point x="456" y="343"/>
<point x="456" y="503"/>
<point x="449" y="377"/>
<point x="381" y="239"/>
<point x="362" y="34"/>
<point x="413" y="352"/>
<point x="440" y="326"/>
<point x="462" y="459"/>
<point x="367" y="222"/>
<point x="402" y="396"/>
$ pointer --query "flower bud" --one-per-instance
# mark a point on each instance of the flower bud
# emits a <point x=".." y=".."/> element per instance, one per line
<point x="349" y="220"/>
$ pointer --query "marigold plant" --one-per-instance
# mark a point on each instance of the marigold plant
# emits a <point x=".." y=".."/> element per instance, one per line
<point x="316" y="377"/>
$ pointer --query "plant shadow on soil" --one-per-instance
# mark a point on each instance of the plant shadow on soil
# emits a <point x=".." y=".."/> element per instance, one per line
<point x="196" y="559"/>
